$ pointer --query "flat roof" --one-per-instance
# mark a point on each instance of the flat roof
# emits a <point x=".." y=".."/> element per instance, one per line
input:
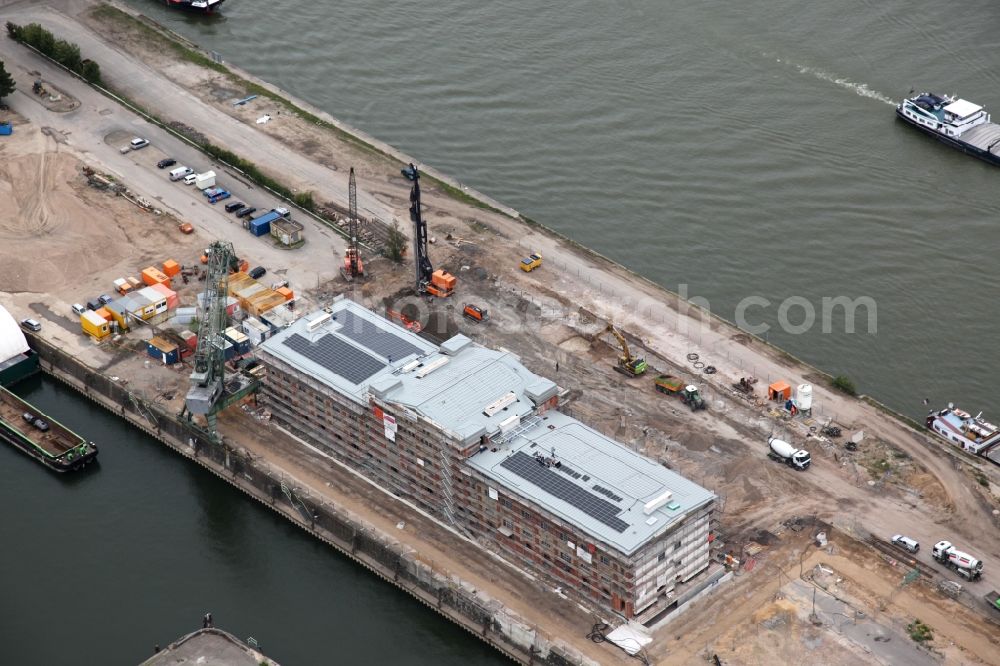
<point x="962" y="108"/>
<point x="599" y="484"/>
<point x="462" y="388"/>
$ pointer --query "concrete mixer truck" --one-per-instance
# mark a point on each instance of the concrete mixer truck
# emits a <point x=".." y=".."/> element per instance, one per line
<point x="964" y="564"/>
<point x="782" y="451"/>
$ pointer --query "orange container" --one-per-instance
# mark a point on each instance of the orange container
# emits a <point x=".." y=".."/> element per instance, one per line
<point x="171" y="267"/>
<point x="286" y="292"/>
<point x="153" y="276"/>
<point x="104" y="313"/>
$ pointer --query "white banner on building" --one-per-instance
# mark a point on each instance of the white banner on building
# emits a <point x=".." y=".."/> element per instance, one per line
<point x="493" y="493"/>
<point x="583" y="554"/>
<point x="390" y="427"/>
<point x="410" y="414"/>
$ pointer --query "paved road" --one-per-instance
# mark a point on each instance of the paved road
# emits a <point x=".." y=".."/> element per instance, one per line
<point x="86" y="130"/>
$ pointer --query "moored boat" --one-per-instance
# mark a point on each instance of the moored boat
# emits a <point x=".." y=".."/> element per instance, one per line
<point x="957" y="122"/>
<point x="44" y="439"/>
<point x="971" y="433"/>
<point x="200" y="6"/>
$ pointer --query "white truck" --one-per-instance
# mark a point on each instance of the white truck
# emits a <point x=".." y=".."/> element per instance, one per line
<point x="203" y="181"/>
<point x="782" y="451"/>
<point x="964" y="564"/>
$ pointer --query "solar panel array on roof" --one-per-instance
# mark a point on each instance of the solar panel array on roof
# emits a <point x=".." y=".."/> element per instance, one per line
<point x="378" y="340"/>
<point x="530" y="469"/>
<point x="337" y="356"/>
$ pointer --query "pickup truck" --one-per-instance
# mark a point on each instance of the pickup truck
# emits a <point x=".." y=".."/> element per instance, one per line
<point x="216" y="194"/>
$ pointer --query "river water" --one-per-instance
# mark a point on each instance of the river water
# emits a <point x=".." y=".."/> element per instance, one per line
<point x="100" y="566"/>
<point x="741" y="150"/>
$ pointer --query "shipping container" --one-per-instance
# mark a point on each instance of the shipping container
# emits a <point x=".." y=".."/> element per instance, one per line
<point x="120" y="284"/>
<point x="190" y="339"/>
<point x="184" y="316"/>
<point x="104" y="313"/>
<point x="164" y="351"/>
<point x="232" y="306"/>
<point x="153" y="275"/>
<point x="95" y="325"/>
<point x="286" y="292"/>
<point x="135" y="282"/>
<point x="205" y="180"/>
<point x="171" y="268"/>
<point x="260" y="227"/>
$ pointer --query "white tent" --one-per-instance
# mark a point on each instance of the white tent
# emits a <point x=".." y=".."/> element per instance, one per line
<point x="12" y="341"/>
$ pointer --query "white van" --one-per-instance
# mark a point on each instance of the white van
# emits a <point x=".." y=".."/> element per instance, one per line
<point x="180" y="172"/>
<point x="905" y="542"/>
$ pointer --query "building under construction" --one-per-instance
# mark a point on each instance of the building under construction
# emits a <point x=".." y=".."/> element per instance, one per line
<point x="472" y="436"/>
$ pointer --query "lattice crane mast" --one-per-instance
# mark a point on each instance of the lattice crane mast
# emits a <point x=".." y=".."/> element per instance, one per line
<point x="209" y="362"/>
<point x="353" y="266"/>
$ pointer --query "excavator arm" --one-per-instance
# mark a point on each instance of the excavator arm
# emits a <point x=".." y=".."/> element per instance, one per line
<point x="626" y="355"/>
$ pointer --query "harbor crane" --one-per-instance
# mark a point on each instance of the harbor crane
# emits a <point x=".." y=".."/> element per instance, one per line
<point x="353" y="266"/>
<point x="209" y="393"/>
<point x="630" y="365"/>
<point x="439" y="282"/>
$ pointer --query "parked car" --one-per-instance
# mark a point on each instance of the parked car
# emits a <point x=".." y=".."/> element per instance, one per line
<point x="905" y="542"/>
<point x="234" y="206"/>
<point x="257" y="272"/>
<point x="78" y="309"/>
<point x="180" y="172"/>
<point x="190" y="178"/>
<point x="138" y="143"/>
<point x="163" y="164"/>
<point x="105" y="299"/>
<point x="31" y="324"/>
<point x="36" y="421"/>
<point x="243" y="212"/>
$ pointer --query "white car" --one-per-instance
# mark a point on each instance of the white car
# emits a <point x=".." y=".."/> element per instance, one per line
<point x="138" y="143"/>
<point x="31" y="324"/>
<point x="905" y="542"/>
<point x="190" y="178"/>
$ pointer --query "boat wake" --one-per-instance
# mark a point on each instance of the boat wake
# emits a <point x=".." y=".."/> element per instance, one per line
<point x="861" y="89"/>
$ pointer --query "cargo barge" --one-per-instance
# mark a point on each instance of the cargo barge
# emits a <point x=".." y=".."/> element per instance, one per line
<point x="956" y="122"/>
<point x="972" y="434"/>
<point x="47" y="441"/>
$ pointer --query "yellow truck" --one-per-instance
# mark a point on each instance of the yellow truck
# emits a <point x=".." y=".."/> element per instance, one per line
<point x="530" y="263"/>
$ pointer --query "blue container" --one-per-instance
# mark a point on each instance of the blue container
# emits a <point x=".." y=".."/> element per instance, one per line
<point x="260" y="227"/>
<point x="167" y="356"/>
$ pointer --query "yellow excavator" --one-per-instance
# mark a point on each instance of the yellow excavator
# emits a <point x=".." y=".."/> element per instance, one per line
<point x="630" y="365"/>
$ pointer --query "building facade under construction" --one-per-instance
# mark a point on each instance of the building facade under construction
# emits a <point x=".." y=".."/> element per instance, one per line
<point x="472" y="436"/>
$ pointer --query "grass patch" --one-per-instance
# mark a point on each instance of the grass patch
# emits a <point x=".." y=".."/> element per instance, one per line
<point x="920" y="632"/>
<point x="845" y="384"/>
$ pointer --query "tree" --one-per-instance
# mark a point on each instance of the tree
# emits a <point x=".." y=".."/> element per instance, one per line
<point x="6" y="82"/>
<point x="395" y="243"/>
<point x="91" y="71"/>
<point x="67" y="54"/>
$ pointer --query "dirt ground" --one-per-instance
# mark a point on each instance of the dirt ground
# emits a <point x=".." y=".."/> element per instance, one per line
<point x="64" y="241"/>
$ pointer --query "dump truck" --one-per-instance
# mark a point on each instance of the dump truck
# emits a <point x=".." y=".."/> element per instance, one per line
<point x="993" y="599"/>
<point x="782" y="451"/>
<point x="962" y="563"/>
<point x="531" y="262"/>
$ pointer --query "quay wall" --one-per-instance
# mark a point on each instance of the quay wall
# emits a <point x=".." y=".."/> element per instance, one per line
<point x="382" y="555"/>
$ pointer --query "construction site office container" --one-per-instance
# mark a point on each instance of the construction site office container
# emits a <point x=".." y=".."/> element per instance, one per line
<point x="95" y="325"/>
<point x="256" y="330"/>
<point x="239" y="339"/>
<point x="156" y="298"/>
<point x="168" y="293"/>
<point x="227" y="347"/>
<point x="190" y="339"/>
<point x="164" y="351"/>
